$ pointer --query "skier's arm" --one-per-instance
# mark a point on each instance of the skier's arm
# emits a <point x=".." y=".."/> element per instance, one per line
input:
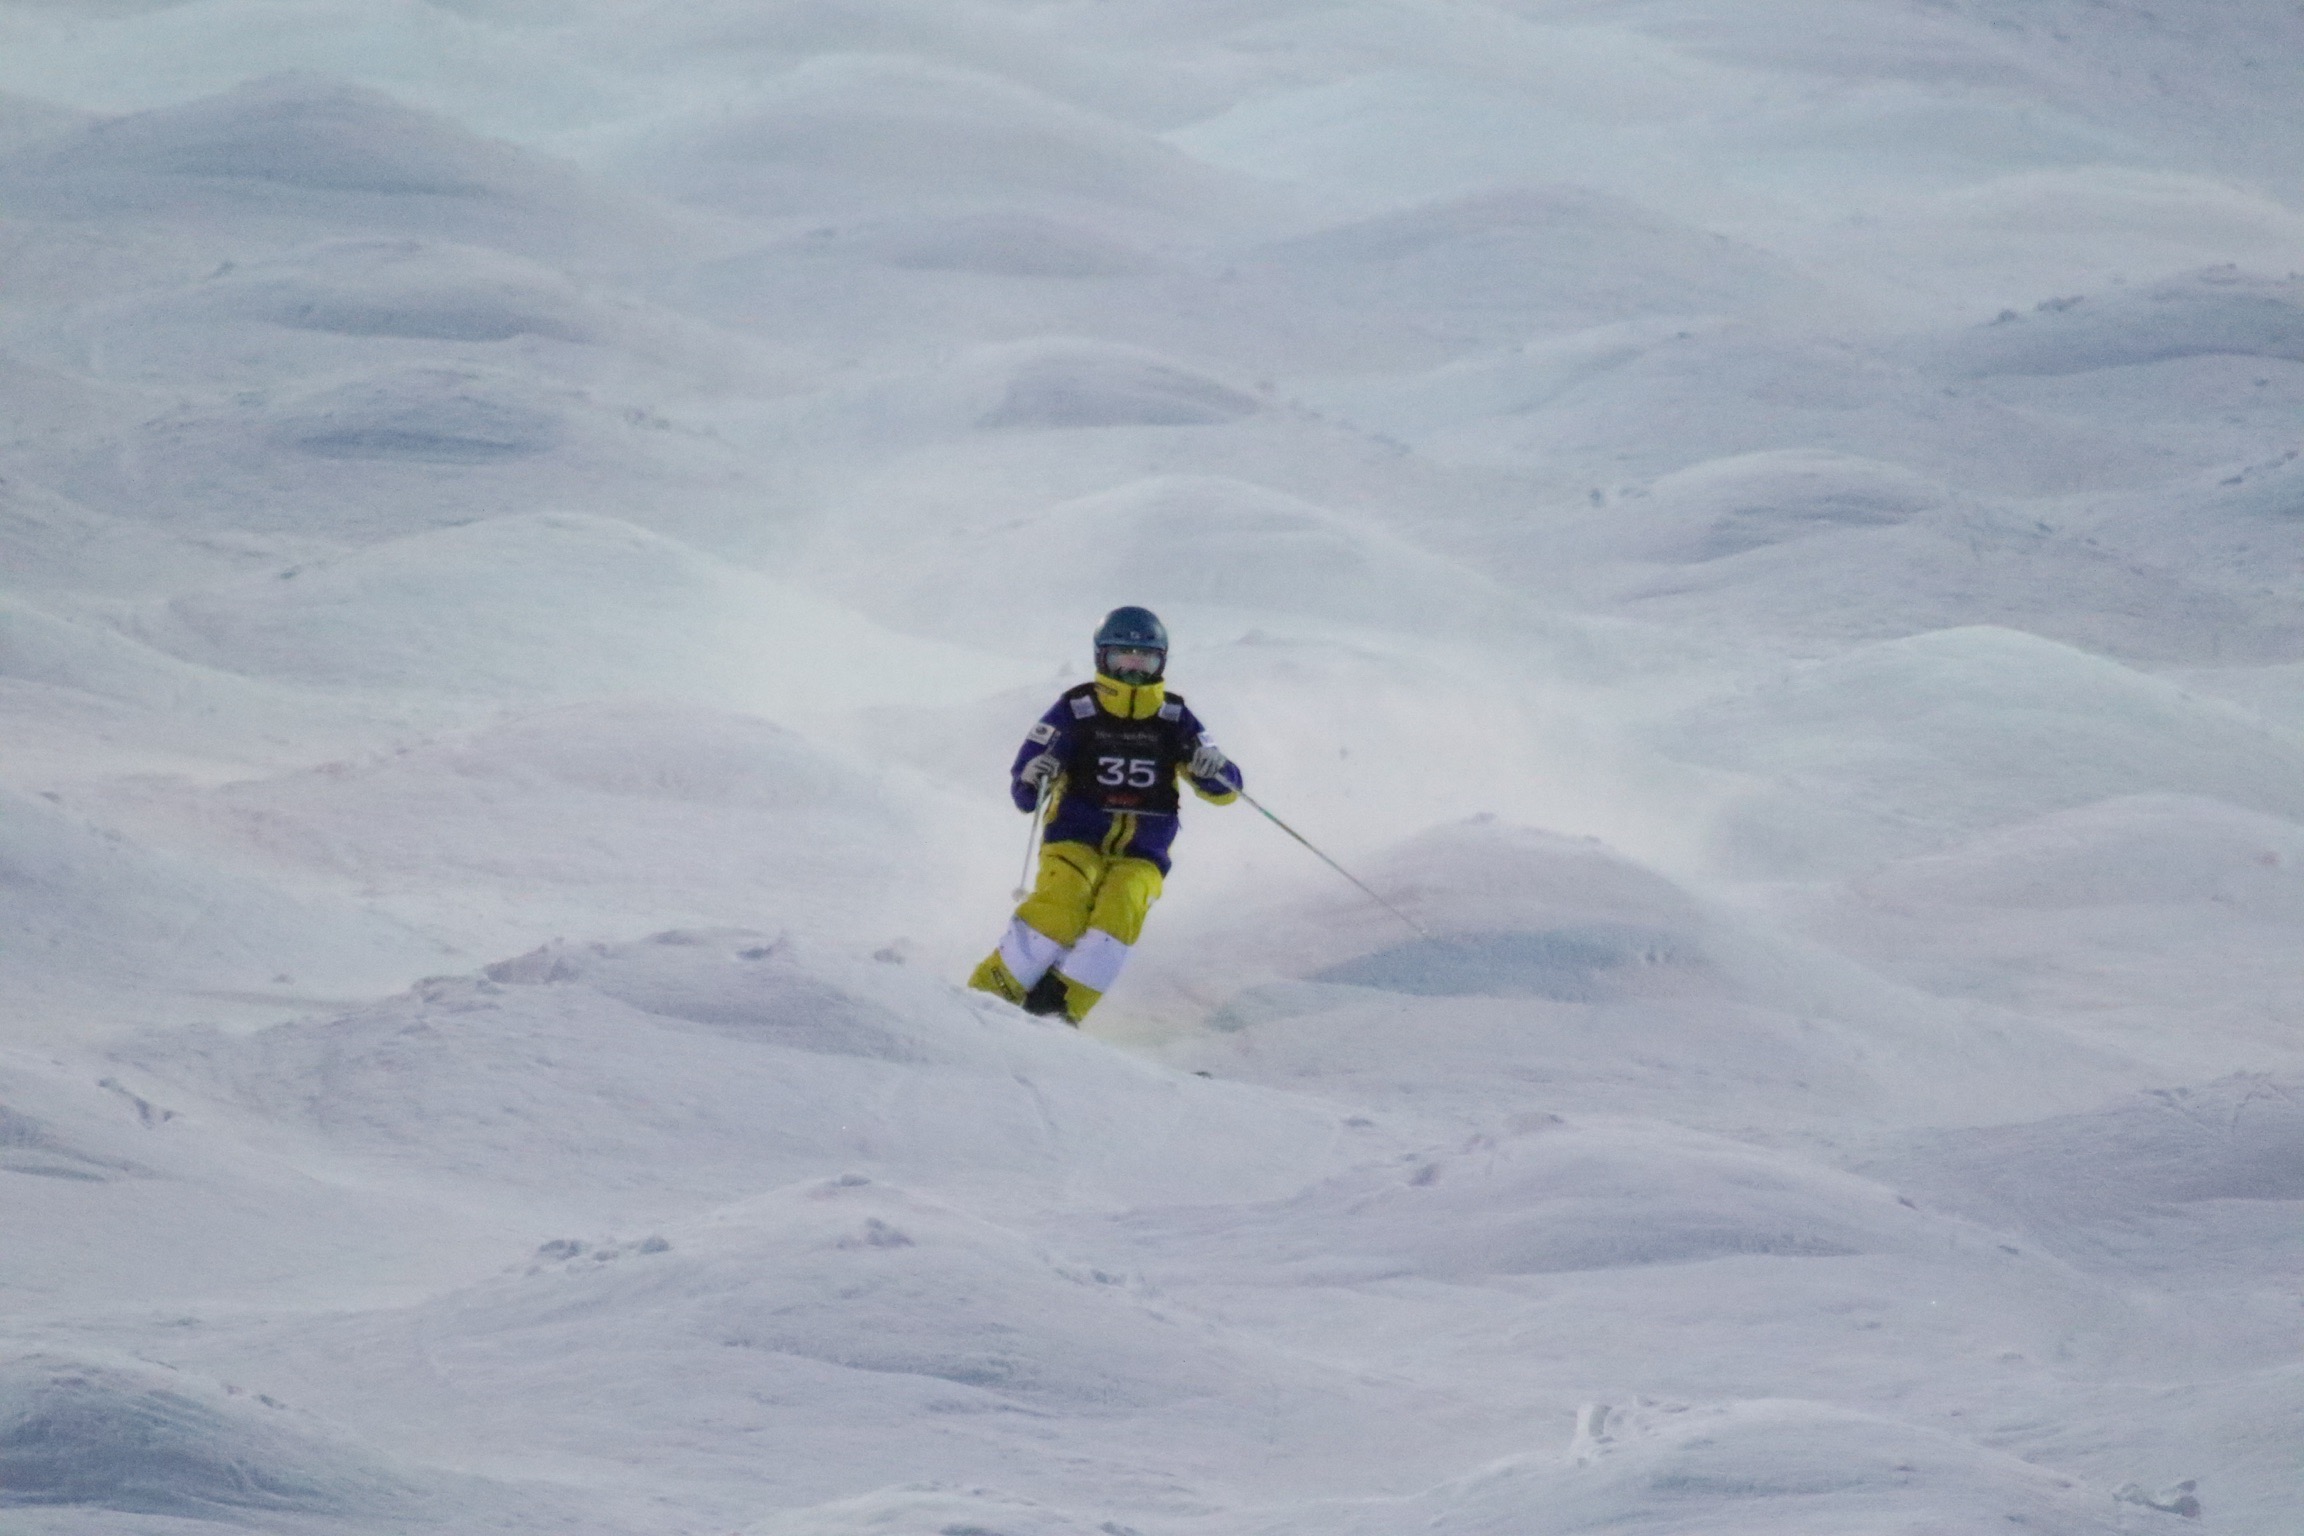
<point x="1050" y="734"/>
<point x="1214" y="777"/>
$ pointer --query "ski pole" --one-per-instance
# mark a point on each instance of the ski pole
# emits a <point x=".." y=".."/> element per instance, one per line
<point x="1032" y="840"/>
<point x="1421" y="930"/>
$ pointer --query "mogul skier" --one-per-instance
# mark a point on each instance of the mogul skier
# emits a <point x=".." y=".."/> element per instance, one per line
<point x="1105" y="761"/>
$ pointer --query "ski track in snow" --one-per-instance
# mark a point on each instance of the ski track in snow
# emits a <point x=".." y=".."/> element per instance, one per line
<point x="528" y="535"/>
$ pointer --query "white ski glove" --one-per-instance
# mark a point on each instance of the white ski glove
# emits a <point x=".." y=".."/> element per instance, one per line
<point x="1208" y="760"/>
<point x="1041" y="772"/>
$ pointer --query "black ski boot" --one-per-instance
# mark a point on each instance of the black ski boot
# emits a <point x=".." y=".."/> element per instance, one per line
<point x="1047" y="998"/>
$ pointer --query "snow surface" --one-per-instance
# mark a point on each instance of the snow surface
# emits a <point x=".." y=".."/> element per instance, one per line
<point x="1771" y="532"/>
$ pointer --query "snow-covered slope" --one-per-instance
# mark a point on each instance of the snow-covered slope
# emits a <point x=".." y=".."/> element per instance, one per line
<point x="1767" y="533"/>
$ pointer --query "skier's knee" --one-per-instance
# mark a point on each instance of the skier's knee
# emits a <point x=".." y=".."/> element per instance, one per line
<point x="1059" y="905"/>
<point x="1125" y="898"/>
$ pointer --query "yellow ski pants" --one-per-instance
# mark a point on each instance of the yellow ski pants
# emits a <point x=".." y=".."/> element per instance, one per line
<point x="1084" y="915"/>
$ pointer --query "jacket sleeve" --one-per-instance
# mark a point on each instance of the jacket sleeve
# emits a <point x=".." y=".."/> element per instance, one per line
<point x="1052" y="732"/>
<point x="1224" y="785"/>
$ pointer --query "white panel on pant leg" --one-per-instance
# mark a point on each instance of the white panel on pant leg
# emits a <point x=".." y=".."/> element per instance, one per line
<point x="1027" y="952"/>
<point x="1096" y="960"/>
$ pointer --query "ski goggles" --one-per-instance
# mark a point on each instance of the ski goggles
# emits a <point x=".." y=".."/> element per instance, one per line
<point x="1131" y="664"/>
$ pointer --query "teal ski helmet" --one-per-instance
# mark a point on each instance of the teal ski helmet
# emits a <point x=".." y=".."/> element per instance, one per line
<point x="1132" y="646"/>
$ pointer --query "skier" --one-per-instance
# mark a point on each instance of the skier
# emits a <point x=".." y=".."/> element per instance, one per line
<point x="1105" y="760"/>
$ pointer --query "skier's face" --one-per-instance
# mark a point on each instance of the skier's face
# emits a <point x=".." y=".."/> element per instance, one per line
<point x="1128" y="664"/>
